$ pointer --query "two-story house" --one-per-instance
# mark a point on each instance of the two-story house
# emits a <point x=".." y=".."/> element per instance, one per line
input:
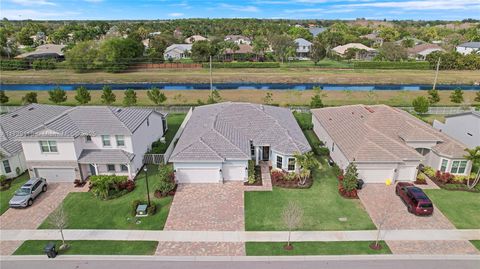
<point x="303" y="49"/>
<point x="92" y="140"/>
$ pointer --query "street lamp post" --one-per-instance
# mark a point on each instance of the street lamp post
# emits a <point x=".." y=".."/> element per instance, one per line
<point x="146" y="180"/>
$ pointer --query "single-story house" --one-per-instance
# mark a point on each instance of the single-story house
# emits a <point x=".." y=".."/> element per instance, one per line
<point x="16" y="124"/>
<point x="242" y="53"/>
<point x="194" y="38"/>
<point x="220" y="139"/>
<point x="303" y="49"/>
<point x="420" y="52"/>
<point x="465" y="127"/>
<point x="386" y="142"/>
<point x="363" y="52"/>
<point x="238" y="39"/>
<point x="469" y="47"/>
<point x="91" y="140"/>
<point x="377" y="40"/>
<point x="177" y="51"/>
<point x="50" y="51"/>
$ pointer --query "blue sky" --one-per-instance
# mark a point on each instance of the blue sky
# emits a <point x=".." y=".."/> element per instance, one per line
<point x="294" y="9"/>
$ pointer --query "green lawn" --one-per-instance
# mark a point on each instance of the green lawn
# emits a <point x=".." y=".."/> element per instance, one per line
<point x="86" y="247"/>
<point x="6" y="195"/>
<point x="476" y="243"/>
<point x="314" y="248"/>
<point x="326" y="63"/>
<point x="173" y="121"/>
<point x="460" y="207"/>
<point x="84" y="211"/>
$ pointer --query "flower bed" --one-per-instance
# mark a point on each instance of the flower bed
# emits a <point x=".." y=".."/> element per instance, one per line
<point x="344" y="193"/>
<point x="288" y="180"/>
<point x="254" y="175"/>
<point x="449" y="181"/>
<point x="165" y="186"/>
<point x="108" y="187"/>
<point x="421" y="179"/>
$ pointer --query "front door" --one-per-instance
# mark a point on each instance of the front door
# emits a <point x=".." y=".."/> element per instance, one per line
<point x="93" y="172"/>
<point x="265" y="153"/>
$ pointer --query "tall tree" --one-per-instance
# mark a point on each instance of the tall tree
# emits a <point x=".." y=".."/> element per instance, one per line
<point x="260" y="45"/>
<point x="116" y="54"/>
<point x="57" y="95"/>
<point x="156" y="96"/>
<point x="82" y="57"/>
<point x="82" y="95"/>
<point x="29" y="98"/>
<point x="316" y="101"/>
<point x="305" y="164"/>
<point x="130" y="98"/>
<point x="474" y="156"/>
<point x="108" y="97"/>
<point x="3" y="97"/>
<point x="282" y="46"/>
<point x="318" y="51"/>
<point x="433" y="96"/>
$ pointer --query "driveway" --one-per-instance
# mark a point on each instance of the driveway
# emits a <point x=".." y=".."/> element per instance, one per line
<point x="374" y="196"/>
<point x="207" y="207"/>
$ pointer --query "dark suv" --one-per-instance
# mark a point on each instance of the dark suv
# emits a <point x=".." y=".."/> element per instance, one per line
<point x="415" y="199"/>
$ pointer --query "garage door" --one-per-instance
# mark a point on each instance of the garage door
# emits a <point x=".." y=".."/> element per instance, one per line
<point x="375" y="175"/>
<point x="234" y="173"/>
<point x="186" y="175"/>
<point x="56" y="174"/>
<point x="407" y="173"/>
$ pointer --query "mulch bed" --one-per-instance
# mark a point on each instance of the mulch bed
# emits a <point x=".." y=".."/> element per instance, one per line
<point x="452" y="187"/>
<point x="258" y="178"/>
<point x="158" y="194"/>
<point x="292" y="184"/>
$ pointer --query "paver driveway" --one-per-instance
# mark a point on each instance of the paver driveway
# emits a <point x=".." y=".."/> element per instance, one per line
<point x="377" y="197"/>
<point x="207" y="207"/>
<point x="31" y="217"/>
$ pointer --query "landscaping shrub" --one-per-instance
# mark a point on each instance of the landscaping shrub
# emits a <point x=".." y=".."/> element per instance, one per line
<point x="391" y="65"/>
<point x="337" y="171"/>
<point x="348" y="182"/>
<point x="251" y="171"/>
<point x="277" y="175"/>
<point x="109" y="186"/>
<point x="421" y="179"/>
<point x="243" y="65"/>
<point x="166" y="181"/>
<point x="9" y="65"/>
<point x="44" y="64"/>
<point x="321" y="151"/>
<point x="4" y="182"/>
<point x="444" y="177"/>
<point x="164" y="187"/>
<point x="427" y="170"/>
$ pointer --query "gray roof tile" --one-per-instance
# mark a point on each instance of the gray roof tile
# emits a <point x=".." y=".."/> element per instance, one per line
<point x="105" y="156"/>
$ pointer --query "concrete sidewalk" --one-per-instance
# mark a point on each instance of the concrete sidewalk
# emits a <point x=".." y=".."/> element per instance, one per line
<point x="240" y="236"/>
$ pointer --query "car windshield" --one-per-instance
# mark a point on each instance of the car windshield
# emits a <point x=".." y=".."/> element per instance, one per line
<point x="22" y="192"/>
<point x="425" y="205"/>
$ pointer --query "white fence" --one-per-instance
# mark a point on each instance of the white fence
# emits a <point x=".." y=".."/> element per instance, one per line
<point x="443" y="110"/>
<point x="163" y="158"/>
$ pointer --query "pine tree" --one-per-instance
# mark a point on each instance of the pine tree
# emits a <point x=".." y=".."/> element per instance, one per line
<point x="433" y="96"/>
<point x="456" y="96"/>
<point x="3" y="97"/>
<point x="108" y="97"/>
<point x="130" y="98"/>
<point x="29" y="98"/>
<point x="57" y="95"/>
<point x="477" y="96"/>
<point x="421" y="104"/>
<point x="82" y="95"/>
<point x="156" y="96"/>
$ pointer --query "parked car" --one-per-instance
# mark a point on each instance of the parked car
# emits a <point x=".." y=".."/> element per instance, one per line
<point x="24" y="196"/>
<point x="415" y="199"/>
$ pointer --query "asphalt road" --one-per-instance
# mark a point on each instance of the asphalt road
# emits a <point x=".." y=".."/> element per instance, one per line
<point x="337" y="264"/>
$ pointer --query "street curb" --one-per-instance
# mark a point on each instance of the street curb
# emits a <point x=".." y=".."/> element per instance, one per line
<point x="386" y="257"/>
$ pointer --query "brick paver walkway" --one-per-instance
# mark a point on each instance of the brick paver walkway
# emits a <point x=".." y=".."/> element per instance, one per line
<point x="200" y="249"/>
<point x="207" y="207"/>
<point x="266" y="179"/>
<point x="439" y="247"/>
<point x="375" y="196"/>
<point x="9" y="247"/>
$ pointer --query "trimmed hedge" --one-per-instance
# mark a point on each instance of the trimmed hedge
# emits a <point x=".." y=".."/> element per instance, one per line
<point x="243" y="65"/>
<point x="392" y="65"/>
<point x="8" y="65"/>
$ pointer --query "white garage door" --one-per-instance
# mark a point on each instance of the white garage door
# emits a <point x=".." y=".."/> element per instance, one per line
<point x="56" y="174"/>
<point x="207" y="175"/>
<point x="236" y="173"/>
<point x="375" y="175"/>
<point x="407" y="173"/>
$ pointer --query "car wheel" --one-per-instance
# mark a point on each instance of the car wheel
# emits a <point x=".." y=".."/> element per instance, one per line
<point x="410" y="209"/>
<point x="44" y="189"/>
<point x="30" y="202"/>
<point x="396" y="192"/>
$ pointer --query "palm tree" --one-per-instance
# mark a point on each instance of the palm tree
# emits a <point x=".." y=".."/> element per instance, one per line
<point x="474" y="156"/>
<point x="306" y="162"/>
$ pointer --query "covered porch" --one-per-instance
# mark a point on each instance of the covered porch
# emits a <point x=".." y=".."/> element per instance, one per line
<point x="275" y="159"/>
<point x="106" y="162"/>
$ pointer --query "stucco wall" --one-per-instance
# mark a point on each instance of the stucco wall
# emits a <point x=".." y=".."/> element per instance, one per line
<point x="17" y="160"/>
<point x="66" y="150"/>
<point x="337" y="155"/>
<point x="144" y="136"/>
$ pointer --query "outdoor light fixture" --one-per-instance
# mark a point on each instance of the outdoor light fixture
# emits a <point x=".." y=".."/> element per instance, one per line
<point x="146" y="180"/>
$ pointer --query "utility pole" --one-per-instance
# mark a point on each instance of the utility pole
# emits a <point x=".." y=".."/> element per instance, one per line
<point x="211" y="79"/>
<point x="436" y="74"/>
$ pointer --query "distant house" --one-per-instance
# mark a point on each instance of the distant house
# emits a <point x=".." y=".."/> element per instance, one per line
<point x="420" y="52"/>
<point x="363" y="52"/>
<point x="303" y="49"/>
<point x="47" y="51"/>
<point x="177" y="51"/>
<point x="465" y="127"/>
<point x="178" y="33"/>
<point x="469" y="47"/>
<point x="377" y="41"/>
<point x="317" y="30"/>
<point x="238" y="39"/>
<point x="194" y="38"/>
<point x="243" y="52"/>
<point x="39" y="38"/>
<point x="416" y="41"/>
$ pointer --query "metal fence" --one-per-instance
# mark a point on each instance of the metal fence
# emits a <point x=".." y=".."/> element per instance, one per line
<point x="163" y="158"/>
<point x="444" y="110"/>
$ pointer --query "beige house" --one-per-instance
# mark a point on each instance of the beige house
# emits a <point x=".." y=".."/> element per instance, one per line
<point x="194" y="38"/>
<point x="363" y="52"/>
<point x="386" y="142"/>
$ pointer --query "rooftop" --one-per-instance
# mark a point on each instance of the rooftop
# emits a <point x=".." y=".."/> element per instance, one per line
<point x="223" y="131"/>
<point x="475" y="45"/>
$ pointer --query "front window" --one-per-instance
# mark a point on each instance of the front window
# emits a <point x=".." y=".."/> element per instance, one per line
<point x="443" y="167"/>
<point x="458" y="167"/>
<point x="120" y="140"/>
<point x="111" y="167"/>
<point x="279" y="162"/>
<point x="106" y="140"/>
<point x="48" y="146"/>
<point x="6" y="166"/>
<point x="123" y="167"/>
<point x="291" y="164"/>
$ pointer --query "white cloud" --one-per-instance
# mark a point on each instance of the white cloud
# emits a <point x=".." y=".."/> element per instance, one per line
<point x="33" y="3"/>
<point x="421" y="5"/>
<point x="240" y="8"/>
<point x="25" y="14"/>
<point x="175" y="14"/>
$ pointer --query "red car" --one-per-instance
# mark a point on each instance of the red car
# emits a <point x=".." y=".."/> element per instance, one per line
<point x="415" y="199"/>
